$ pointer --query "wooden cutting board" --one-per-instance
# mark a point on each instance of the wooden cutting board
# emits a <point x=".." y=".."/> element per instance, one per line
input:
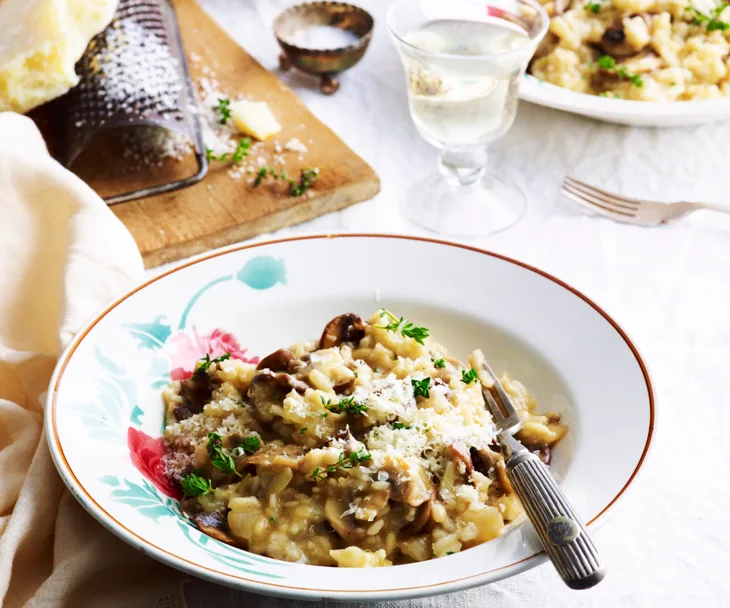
<point x="220" y="210"/>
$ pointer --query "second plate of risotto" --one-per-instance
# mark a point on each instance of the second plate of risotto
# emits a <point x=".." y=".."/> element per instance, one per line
<point x="672" y="57"/>
<point x="302" y="417"/>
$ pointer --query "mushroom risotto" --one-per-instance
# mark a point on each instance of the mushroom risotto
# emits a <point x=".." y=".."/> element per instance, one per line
<point x="649" y="50"/>
<point x="370" y="447"/>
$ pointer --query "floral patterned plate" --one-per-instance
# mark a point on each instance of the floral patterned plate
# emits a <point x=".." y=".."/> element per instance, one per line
<point x="251" y="299"/>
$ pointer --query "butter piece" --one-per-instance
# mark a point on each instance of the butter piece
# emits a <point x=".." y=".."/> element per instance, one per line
<point x="254" y="118"/>
<point x="41" y="42"/>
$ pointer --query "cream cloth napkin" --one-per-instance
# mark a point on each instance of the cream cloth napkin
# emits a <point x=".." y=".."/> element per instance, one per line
<point x="63" y="255"/>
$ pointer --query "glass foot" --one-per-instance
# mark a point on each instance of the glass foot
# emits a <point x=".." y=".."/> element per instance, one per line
<point x="487" y="206"/>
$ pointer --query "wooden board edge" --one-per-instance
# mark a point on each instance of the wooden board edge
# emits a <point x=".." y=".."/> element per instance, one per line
<point x="308" y="210"/>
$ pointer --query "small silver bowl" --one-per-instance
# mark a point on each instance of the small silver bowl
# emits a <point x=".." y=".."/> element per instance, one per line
<point x="325" y="63"/>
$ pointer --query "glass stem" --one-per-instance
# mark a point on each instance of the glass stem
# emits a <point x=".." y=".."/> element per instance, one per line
<point x="463" y="167"/>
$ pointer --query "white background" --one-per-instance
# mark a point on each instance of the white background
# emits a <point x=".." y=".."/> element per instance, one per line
<point x="669" y="545"/>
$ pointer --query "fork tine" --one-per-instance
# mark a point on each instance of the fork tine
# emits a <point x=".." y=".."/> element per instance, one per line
<point x="495" y="410"/>
<point x="607" y="197"/>
<point x="512" y="419"/>
<point x="596" y="205"/>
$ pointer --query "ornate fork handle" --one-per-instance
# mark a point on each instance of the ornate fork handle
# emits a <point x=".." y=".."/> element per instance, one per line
<point x="561" y="531"/>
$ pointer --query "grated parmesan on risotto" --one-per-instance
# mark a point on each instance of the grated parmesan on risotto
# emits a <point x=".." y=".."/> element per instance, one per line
<point x="370" y="447"/>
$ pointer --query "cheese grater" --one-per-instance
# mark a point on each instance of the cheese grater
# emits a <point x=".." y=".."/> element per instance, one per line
<point x="133" y="74"/>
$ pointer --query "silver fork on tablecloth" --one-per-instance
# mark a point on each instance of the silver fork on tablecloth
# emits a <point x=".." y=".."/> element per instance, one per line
<point x="630" y="210"/>
<point x="562" y="533"/>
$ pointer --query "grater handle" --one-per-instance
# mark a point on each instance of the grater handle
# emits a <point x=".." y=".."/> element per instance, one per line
<point x="562" y="533"/>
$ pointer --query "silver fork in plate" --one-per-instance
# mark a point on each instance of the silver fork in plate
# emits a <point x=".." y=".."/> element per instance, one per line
<point x="630" y="210"/>
<point x="561" y="531"/>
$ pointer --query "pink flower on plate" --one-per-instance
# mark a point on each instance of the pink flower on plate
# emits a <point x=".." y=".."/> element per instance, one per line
<point x="146" y="454"/>
<point x="185" y="350"/>
<point x="493" y="11"/>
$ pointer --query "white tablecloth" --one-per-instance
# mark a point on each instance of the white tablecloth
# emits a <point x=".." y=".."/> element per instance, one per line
<point x="669" y="287"/>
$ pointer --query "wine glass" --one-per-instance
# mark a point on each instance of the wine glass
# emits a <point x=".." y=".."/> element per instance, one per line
<point x="463" y="62"/>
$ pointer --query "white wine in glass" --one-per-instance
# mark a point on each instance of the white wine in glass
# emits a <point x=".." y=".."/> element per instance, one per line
<point x="463" y="64"/>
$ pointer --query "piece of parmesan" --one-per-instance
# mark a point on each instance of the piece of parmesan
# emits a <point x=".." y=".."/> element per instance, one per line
<point x="254" y="118"/>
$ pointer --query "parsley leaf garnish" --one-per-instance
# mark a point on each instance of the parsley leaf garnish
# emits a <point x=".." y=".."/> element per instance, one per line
<point x="303" y="430"/>
<point x="468" y="376"/>
<point x="206" y="362"/>
<point x="210" y="156"/>
<point x="346" y="462"/>
<point x="439" y="362"/>
<point x="420" y="387"/>
<point x="195" y="485"/>
<point x="218" y="458"/>
<point x="712" y="21"/>
<point x="593" y="7"/>
<point x="608" y="63"/>
<point x="356" y="458"/>
<point x="419" y="334"/>
<point x="333" y="467"/>
<point x="307" y="179"/>
<point x="223" y="109"/>
<point x="241" y="150"/>
<point x="248" y="446"/>
<point x="346" y="404"/>
<point x="400" y="425"/>
<point x="271" y="520"/>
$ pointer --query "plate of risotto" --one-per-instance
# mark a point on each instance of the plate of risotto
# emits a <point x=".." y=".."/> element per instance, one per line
<point x="303" y="417"/>
<point x="642" y="62"/>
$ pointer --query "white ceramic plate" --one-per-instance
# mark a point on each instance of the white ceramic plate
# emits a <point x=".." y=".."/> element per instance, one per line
<point x="622" y="111"/>
<point x="104" y="398"/>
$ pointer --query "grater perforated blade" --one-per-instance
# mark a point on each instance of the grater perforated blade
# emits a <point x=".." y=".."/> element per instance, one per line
<point x="134" y="74"/>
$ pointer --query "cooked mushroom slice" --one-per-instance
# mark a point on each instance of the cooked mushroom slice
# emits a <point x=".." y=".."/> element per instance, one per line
<point x="344" y="328"/>
<point x="373" y="503"/>
<point x="603" y="80"/>
<point x="347" y="440"/>
<point x="275" y="457"/>
<point x="490" y="462"/>
<point x="268" y="388"/>
<point x="344" y="526"/>
<point x="483" y="459"/>
<point x="460" y="454"/>
<point x="344" y="386"/>
<point x="423" y="516"/>
<point x="502" y="477"/>
<point x="278" y="361"/>
<point x="615" y="43"/>
<point x="214" y="524"/>
<point x="409" y="483"/>
<point x="545" y="454"/>
<point x="195" y="393"/>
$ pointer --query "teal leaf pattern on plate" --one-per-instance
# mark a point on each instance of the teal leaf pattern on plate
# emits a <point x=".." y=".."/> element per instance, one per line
<point x="146" y="500"/>
<point x="159" y="372"/>
<point x="150" y="335"/>
<point x="229" y="556"/>
<point x="262" y="272"/>
<point x="143" y="497"/>
<point x="107" y="363"/>
<point x="105" y="414"/>
<point x="136" y="417"/>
